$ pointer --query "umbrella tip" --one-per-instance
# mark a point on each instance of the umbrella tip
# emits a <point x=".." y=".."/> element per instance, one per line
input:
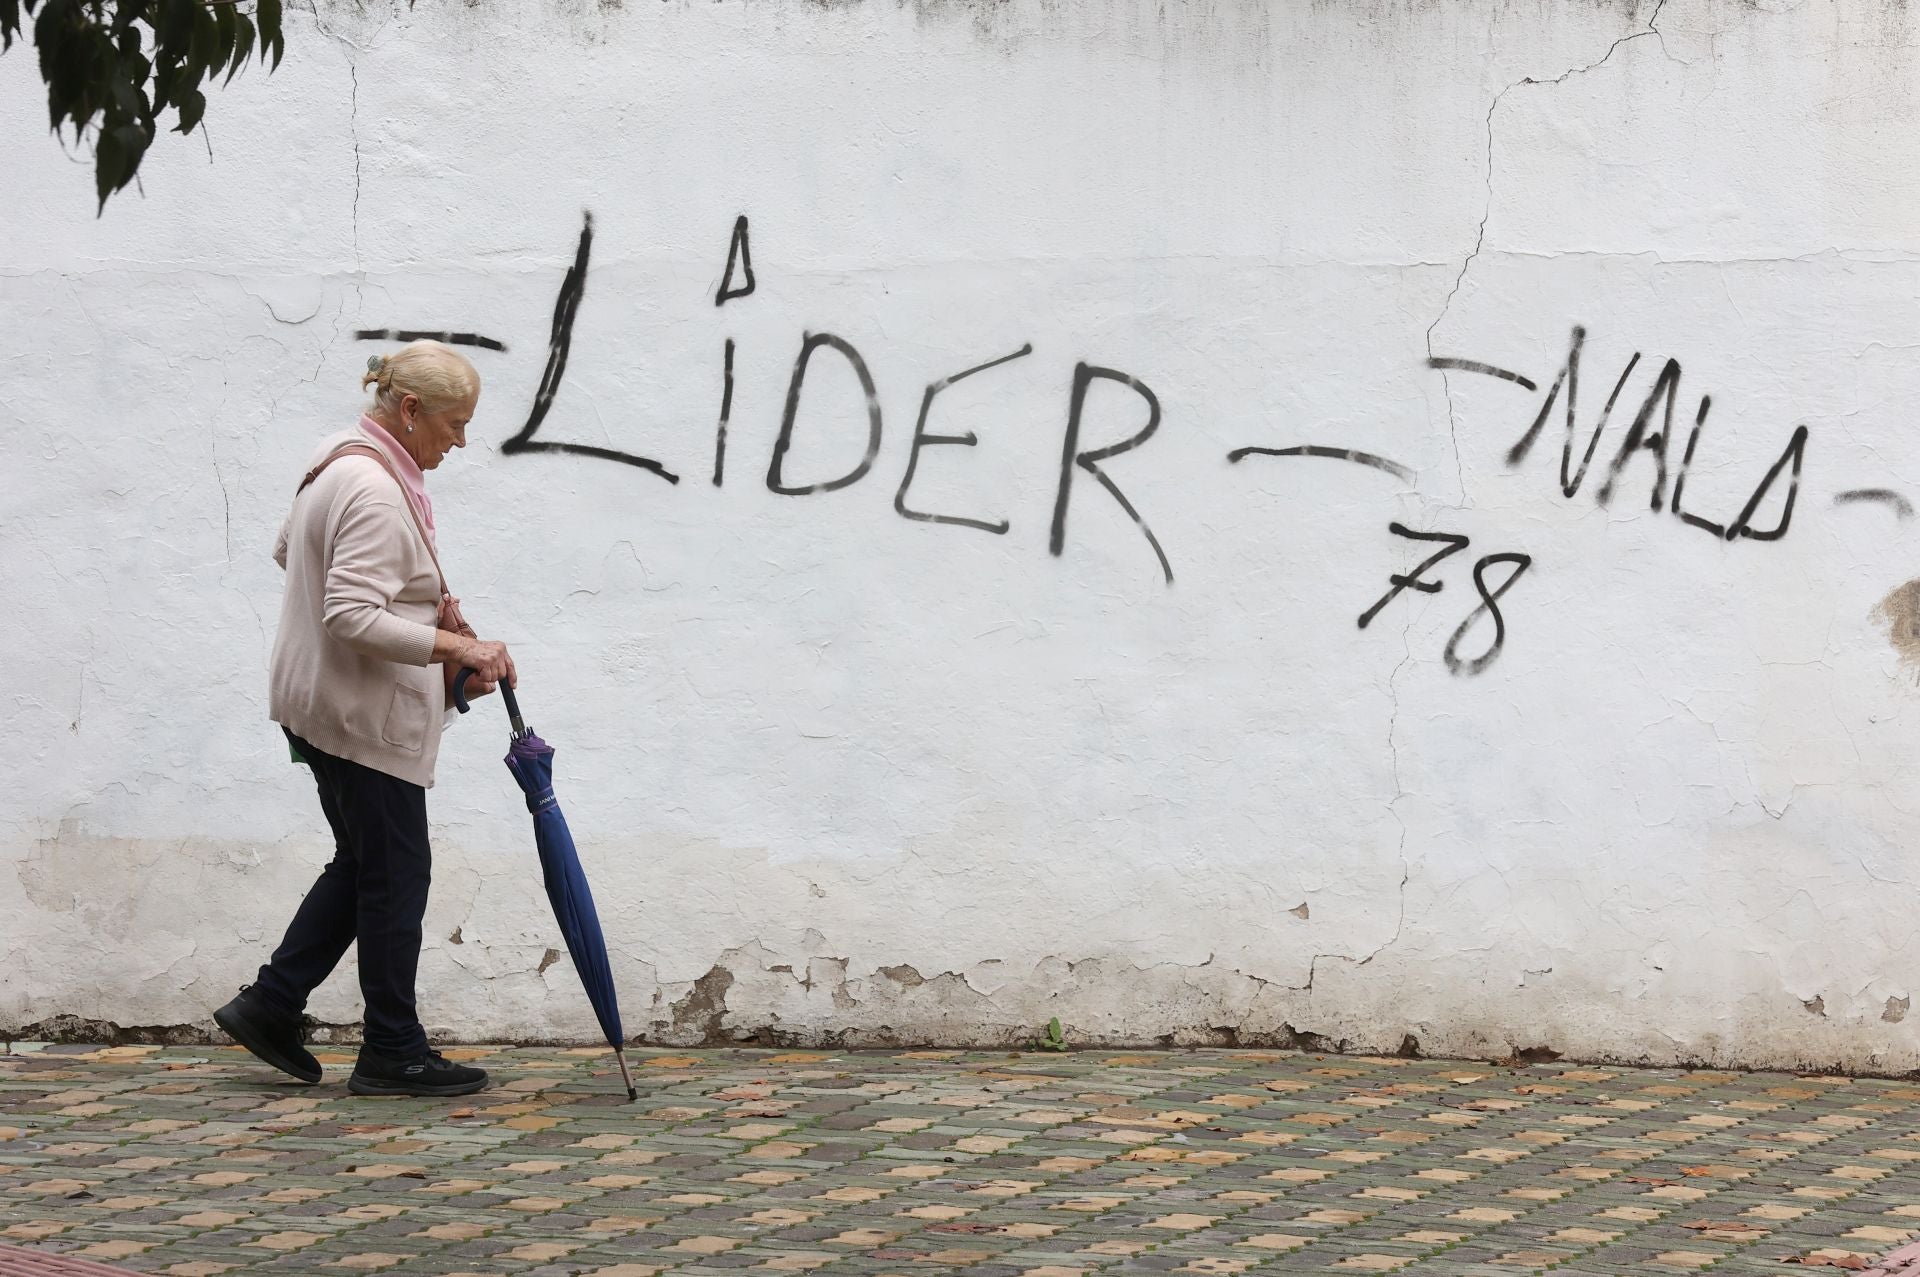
<point x="632" y="1095"/>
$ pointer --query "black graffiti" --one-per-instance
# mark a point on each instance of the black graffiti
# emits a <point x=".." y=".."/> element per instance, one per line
<point x="739" y="253"/>
<point x="416" y="334"/>
<point x="1488" y="370"/>
<point x="565" y="307"/>
<point x="1452" y="544"/>
<point x="810" y="342"/>
<point x="1651" y="432"/>
<point x="1901" y="507"/>
<point x="1795" y="452"/>
<point x="1686" y="461"/>
<point x="1569" y="377"/>
<point x="1404" y="473"/>
<point x="1084" y="376"/>
<point x="1489" y="606"/>
<point x="1666" y="386"/>
<point x="1660" y="400"/>
<point x="726" y="412"/>
<point x="921" y="439"/>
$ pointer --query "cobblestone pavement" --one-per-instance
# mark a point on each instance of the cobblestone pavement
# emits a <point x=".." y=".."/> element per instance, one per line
<point x="198" y="1161"/>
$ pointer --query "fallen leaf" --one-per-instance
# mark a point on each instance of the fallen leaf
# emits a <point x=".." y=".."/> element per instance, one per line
<point x="1817" y="1260"/>
<point x="461" y="1113"/>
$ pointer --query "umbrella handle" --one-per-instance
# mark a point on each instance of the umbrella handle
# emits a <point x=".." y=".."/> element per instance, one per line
<point x="506" y="692"/>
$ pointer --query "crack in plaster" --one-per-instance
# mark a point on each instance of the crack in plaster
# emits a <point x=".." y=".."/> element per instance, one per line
<point x="354" y="133"/>
<point x="226" y="499"/>
<point x="1486" y="213"/>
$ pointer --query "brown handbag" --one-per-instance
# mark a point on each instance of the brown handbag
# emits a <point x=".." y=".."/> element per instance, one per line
<point x="449" y="618"/>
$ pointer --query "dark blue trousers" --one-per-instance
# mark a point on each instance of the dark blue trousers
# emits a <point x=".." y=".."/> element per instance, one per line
<point x="374" y="892"/>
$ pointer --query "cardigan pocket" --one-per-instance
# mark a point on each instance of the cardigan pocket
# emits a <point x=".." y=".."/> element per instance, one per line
<point x="407" y="718"/>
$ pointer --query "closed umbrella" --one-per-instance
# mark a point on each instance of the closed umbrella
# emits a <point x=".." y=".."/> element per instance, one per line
<point x="530" y="759"/>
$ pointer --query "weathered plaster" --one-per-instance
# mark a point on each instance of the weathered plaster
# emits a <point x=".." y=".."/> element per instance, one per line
<point x="842" y="777"/>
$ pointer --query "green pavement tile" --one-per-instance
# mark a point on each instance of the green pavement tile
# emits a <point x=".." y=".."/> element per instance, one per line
<point x="745" y="1161"/>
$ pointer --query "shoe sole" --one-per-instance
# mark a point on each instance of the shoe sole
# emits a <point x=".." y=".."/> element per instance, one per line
<point x="241" y="1032"/>
<point x="358" y="1085"/>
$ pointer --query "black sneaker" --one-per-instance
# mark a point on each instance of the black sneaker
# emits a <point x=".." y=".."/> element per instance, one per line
<point x="428" y="1074"/>
<point x="271" y="1034"/>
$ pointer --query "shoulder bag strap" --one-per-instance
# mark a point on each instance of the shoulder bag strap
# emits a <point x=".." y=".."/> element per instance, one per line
<point x="369" y="450"/>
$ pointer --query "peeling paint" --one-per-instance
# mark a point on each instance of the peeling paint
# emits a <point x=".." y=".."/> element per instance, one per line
<point x="702" y="1013"/>
<point x="1899" y="614"/>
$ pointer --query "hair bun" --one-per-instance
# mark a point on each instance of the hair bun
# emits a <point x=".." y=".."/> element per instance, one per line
<point x="376" y="364"/>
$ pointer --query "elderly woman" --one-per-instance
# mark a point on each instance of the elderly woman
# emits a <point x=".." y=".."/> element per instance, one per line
<point x="365" y="622"/>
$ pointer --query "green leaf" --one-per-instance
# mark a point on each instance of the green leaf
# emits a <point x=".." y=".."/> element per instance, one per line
<point x="163" y="78"/>
<point x="111" y="67"/>
<point x="227" y="32"/>
<point x="173" y="28"/>
<point x="109" y="165"/>
<point x="242" y="46"/>
<point x="193" y="105"/>
<point x="125" y="94"/>
<point x="64" y="62"/>
<point x="268" y="15"/>
<point x="206" y="36"/>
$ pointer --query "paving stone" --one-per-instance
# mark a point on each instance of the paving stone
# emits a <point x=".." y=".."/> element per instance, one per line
<point x="198" y="1163"/>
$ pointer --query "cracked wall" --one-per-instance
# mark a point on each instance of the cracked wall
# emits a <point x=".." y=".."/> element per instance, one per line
<point x="845" y="777"/>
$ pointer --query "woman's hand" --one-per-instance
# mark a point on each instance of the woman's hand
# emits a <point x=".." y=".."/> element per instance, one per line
<point x="490" y="662"/>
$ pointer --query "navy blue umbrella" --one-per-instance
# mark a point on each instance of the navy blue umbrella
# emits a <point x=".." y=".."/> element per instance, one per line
<point x="530" y="759"/>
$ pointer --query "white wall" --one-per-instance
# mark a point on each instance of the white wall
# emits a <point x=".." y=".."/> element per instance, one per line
<point x="842" y="776"/>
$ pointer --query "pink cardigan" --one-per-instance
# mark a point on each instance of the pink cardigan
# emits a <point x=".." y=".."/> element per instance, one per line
<point x="407" y="468"/>
<point x="351" y="670"/>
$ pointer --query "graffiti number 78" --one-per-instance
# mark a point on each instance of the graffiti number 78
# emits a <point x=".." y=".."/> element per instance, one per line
<point x="1452" y="543"/>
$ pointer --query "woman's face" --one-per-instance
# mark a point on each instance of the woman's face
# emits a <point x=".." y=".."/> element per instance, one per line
<point x="435" y="434"/>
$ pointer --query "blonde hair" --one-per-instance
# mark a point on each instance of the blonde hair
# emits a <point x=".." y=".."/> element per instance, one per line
<point x="433" y="372"/>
